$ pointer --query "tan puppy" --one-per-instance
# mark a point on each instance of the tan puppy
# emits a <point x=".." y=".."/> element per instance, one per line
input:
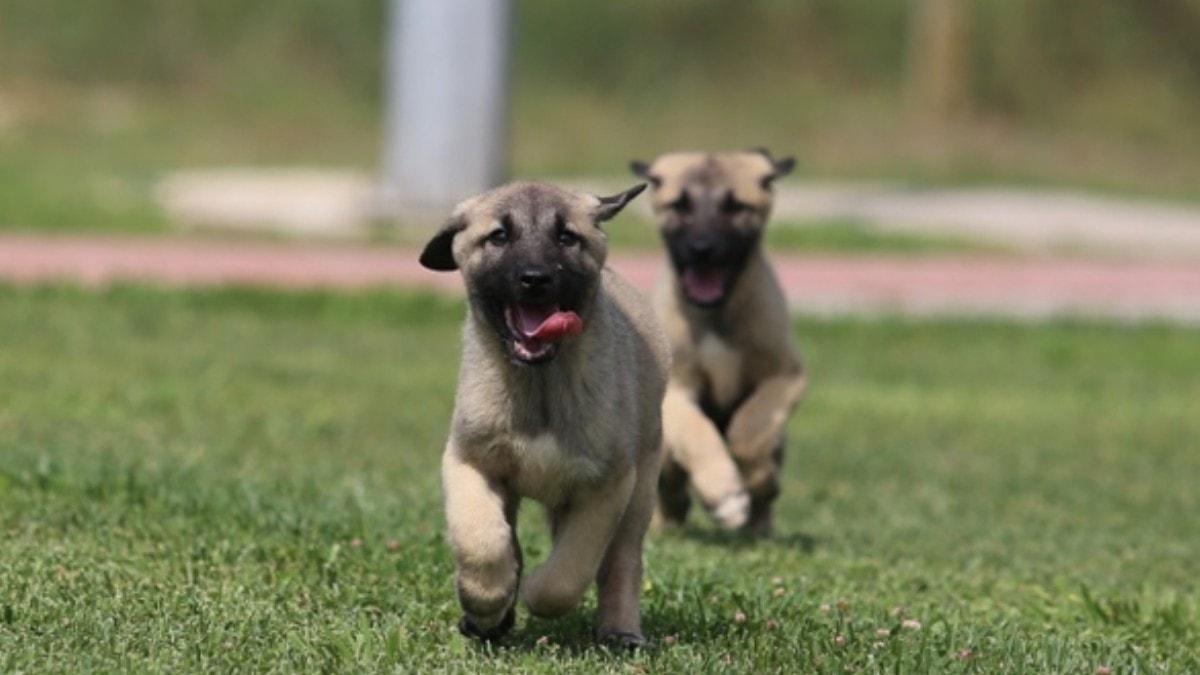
<point x="736" y="375"/>
<point x="559" y="400"/>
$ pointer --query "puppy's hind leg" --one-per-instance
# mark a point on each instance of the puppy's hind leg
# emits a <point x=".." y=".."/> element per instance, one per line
<point x="582" y="532"/>
<point x="619" y="618"/>
<point x="763" y="493"/>
<point x="674" y="502"/>
<point x="482" y="533"/>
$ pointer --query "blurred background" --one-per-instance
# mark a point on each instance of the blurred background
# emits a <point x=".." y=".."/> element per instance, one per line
<point x="102" y="101"/>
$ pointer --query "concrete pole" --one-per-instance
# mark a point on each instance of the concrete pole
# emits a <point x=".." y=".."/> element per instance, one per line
<point x="939" y="60"/>
<point x="446" y="98"/>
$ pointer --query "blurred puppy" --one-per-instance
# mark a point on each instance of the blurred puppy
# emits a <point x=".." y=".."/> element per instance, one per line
<point x="559" y="400"/>
<point x="735" y="375"/>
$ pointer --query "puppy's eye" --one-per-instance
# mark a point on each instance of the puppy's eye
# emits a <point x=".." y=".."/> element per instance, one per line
<point x="567" y="238"/>
<point x="732" y="205"/>
<point x="498" y="237"/>
<point x="681" y="205"/>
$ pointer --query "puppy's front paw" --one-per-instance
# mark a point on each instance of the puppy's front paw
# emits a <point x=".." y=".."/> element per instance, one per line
<point x="732" y="511"/>
<point x="621" y="639"/>
<point x="470" y="628"/>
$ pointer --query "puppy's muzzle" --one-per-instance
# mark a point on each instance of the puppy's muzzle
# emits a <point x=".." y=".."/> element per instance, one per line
<point x="538" y="317"/>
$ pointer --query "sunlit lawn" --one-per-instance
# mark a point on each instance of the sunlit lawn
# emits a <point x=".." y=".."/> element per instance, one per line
<point x="246" y="480"/>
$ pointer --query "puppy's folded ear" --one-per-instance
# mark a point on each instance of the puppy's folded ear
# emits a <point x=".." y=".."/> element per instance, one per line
<point x="439" y="252"/>
<point x="611" y="206"/>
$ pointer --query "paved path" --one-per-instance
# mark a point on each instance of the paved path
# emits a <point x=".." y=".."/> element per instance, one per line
<point x="1032" y="220"/>
<point x="1026" y="219"/>
<point x="337" y="202"/>
<point x="820" y="284"/>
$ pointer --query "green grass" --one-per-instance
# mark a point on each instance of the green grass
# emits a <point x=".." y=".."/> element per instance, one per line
<point x="53" y="187"/>
<point x="242" y="480"/>
<point x="846" y="236"/>
<point x="88" y="159"/>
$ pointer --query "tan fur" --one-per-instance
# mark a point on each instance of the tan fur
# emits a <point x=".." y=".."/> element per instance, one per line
<point x="741" y="171"/>
<point x="580" y="434"/>
<point x="739" y="357"/>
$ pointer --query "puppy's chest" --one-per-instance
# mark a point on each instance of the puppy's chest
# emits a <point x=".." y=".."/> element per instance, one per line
<point x="546" y="466"/>
<point x="724" y="369"/>
<point x="545" y="446"/>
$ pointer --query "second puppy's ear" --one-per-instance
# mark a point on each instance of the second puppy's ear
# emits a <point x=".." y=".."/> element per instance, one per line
<point x="783" y="166"/>
<point x="779" y="167"/>
<point x="439" y="252"/>
<point x="642" y="170"/>
<point x="611" y="206"/>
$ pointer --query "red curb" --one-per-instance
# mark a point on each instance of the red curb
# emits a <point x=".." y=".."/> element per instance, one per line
<point x="814" y="283"/>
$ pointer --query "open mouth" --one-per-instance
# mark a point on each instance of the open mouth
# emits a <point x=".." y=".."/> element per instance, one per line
<point x="705" y="285"/>
<point x="536" y="330"/>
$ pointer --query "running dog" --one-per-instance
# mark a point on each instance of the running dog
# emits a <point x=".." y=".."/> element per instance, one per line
<point x="563" y="372"/>
<point x="736" y="375"/>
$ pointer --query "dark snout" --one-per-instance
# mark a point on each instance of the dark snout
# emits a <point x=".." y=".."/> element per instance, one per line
<point x="703" y="248"/>
<point x="708" y="261"/>
<point x="535" y="283"/>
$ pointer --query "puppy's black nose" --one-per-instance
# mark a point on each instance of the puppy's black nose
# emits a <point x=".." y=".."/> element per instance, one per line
<point x="702" y="248"/>
<point x="534" y="280"/>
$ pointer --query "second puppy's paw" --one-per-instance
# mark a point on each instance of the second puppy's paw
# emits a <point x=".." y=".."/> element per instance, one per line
<point x="732" y="511"/>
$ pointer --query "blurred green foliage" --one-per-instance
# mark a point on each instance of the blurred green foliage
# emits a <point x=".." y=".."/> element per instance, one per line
<point x="1028" y="58"/>
<point x="1071" y="92"/>
<point x="194" y="42"/>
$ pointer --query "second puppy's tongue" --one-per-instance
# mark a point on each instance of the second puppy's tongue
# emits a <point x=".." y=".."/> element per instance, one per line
<point x="547" y="324"/>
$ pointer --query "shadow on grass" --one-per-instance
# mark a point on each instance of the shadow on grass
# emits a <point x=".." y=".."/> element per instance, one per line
<point x="571" y="637"/>
<point x="740" y="541"/>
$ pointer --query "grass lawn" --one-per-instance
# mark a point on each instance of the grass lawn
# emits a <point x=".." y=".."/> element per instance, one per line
<point x="237" y="480"/>
<point x="61" y="175"/>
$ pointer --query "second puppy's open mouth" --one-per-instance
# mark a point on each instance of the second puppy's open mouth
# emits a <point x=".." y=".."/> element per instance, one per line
<point x="705" y="286"/>
<point x="536" y="330"/>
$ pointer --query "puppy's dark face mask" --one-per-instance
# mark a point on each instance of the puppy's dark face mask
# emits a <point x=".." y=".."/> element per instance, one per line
<point x="711" y="211"/>
<point x="531" y="256"/>
<point x="535" y="284"/>
<point x="709" y="235"/>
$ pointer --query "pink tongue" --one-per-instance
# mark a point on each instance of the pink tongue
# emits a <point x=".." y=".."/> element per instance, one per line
<point x="704" y="285"/>
<point x="559" y="326"/>
<point x="548" y="325"/>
